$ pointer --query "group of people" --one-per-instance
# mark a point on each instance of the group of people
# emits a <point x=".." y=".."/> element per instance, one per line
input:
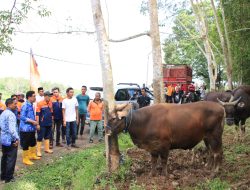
<point x="40" y="118"/>
<point x="177" y="94"/>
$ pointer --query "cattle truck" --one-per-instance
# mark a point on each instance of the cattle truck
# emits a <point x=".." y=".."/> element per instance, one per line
<point x="177" y="74"/>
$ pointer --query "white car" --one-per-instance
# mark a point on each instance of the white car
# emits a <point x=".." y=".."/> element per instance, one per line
<point x="124" y="93"/>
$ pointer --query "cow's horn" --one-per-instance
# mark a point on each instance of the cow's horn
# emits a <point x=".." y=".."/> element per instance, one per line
<point x="222" y="103"/>
<point x="231" y="98"/>
<point x="236" y="101"/>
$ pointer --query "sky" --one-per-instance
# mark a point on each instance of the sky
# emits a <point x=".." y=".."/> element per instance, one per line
<point x="131" y="60"/>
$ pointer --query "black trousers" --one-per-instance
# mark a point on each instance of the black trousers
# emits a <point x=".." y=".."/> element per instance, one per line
<point x="59" y="128"/>
<point x="81" y="124"/>
<point x="8" y="162"/>
<point x="28" y="139"/>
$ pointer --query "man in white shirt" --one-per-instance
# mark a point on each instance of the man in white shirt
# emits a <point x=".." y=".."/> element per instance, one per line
<point x="40" y="95"/>
<point x="70" y="117"/>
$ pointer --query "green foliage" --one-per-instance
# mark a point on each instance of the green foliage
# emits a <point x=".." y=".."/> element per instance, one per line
<point x="182" y="46"/>
<point x="238" y="20"/>
<point x="9" y="86"/>
<point x="215" y="184"/>
<point x="10" y="19"/>
<point x="74" y="171"/>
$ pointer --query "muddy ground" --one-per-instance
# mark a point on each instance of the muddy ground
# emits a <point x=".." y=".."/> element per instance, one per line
<point x="185" y="174"/>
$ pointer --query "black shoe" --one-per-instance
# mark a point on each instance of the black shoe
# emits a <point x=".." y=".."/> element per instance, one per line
<point x="59" y="145"/>
<point x="2" y="178"/>
<point x="100" y="140"/>
<point x="91" y="141"/>
<point x="74" y="146"/>
<point x="10" y="180"/>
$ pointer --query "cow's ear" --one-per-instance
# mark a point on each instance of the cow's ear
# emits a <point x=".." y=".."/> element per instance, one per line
<point x="241" y="104"/>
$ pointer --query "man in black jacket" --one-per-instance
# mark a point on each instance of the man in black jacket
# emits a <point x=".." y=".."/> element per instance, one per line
<point x="143" y="100"/>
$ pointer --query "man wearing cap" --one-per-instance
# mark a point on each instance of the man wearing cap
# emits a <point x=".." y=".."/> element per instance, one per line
<point x="40" y="95"/>
<point x="9" y="140"/>
<point x="44" y="116"/>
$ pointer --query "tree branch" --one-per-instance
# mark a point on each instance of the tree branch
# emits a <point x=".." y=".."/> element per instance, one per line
<point x="238" y="30"/>
<point x="66" y="32"/>
<point x="131" y="37"/>
<point x="198" y="45"/>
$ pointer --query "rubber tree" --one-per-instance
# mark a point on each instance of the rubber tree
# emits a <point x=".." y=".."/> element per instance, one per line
<point x="156" y="53"/>
<point x="225" y="44"/>
<point x="203" y="30"/>
<point x="111" y="141"/>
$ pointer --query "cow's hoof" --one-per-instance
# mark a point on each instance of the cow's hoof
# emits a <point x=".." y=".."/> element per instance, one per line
<point x="164" y="173"/>
<point x="153" y="173"/>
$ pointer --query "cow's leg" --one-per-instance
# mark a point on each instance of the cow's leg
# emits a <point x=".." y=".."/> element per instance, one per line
<point x="164" y="160"/>
<point x="209" y="155"/>
<point x="154" y="158"/>
<point x="237" y="134"/>
<point x="242" y="129"/>
<point x="216" y="148"/>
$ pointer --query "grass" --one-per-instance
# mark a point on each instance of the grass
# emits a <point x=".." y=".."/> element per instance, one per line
<point x="215" y="184"/>
<point x="76" y="171"/>
<point x="86" y="169"/>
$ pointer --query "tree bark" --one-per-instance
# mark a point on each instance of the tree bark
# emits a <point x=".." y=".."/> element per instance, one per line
<point x="230" y="60"/>
<point x="224" y="46"/>
<point x="203" y="29"/>
<point x="156" y="53"/>
<point x="113" y="153"/>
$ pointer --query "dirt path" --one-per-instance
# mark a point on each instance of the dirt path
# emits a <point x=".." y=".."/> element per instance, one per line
<point x="59" y="152"/>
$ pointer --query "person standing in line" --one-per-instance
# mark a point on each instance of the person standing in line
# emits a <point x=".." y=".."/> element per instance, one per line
<point x="70" y="117"/>
<point x="40" y="95"/>
<point x="2" y="105"/>
<point x="28" y="127"/>
<point x="20" y="102"/>
<point x="1" y="98"/>
<point x="95" y="110"/>
<point x="44" y="116"/>
<point x="83" y="102"/>
<point x="58" y="118"/>
<point x="9" y="140"/>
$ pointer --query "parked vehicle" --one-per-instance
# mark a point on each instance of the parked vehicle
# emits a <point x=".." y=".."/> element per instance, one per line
<point x="124" y="93"/>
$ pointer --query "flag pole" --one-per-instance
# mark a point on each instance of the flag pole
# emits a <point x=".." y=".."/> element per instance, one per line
<point x="30" y="66"/>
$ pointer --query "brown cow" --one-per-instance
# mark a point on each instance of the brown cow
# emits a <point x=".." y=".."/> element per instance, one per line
<point x="162" y="127"/>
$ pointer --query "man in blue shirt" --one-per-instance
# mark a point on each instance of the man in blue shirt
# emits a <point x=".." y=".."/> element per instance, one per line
<point x="9" y="140"/>
<point x="28" y="127"/>
<point x="83" y="102"/>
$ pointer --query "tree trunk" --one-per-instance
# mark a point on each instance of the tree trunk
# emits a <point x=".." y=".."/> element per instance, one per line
<point x="203" y="29"/>
<point x="156" y="53"/>
<point x="224" y="45"/>
<point x="230" y="60"/>
<point x="112" y="149"/>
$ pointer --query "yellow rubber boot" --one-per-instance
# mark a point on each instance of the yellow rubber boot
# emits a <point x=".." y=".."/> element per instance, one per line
<point x="32" y="153"/>
<point x="46" y="147"/>
<point x="26" y="159"/>
<point x="38" y="146"/>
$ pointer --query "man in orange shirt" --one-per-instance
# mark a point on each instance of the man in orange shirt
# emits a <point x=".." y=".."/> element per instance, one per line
<point x="170" y="91"/>
<point x="95" y="109"/>
<point x="2" y="105"/>
<point x="44" y="112"/>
